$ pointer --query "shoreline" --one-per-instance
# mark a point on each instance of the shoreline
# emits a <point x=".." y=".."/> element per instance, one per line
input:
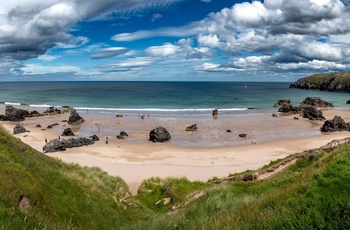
<point x="215" y="153"/>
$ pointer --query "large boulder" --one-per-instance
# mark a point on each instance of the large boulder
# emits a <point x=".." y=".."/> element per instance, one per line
<point x="14" y="114"/>
<point x="67" y="132"/>
<point x="54" y="146"/>
<point x="76" y="142"/>
<point x="312" y="113"/>
<point x="288" y="108"/>
<point x="282" y="102"/>
<point x="75" y="118"/>
<point x="315" y="101"/>
<point x="52" y="111"/>
<point x="95" y="138"/>
<point x="159" y="134"/>
<point x="19" y="129"/>
<point x="122" y="135"/>
<point x="192" y="128"/>
<point x="336" y="124"/>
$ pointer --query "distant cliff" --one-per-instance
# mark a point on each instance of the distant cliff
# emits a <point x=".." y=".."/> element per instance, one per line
<point x="339" y="82"/>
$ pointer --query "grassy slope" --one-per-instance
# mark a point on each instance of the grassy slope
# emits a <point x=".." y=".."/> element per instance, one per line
<point x="312" y="194"/>
<point x="62" y="196"/>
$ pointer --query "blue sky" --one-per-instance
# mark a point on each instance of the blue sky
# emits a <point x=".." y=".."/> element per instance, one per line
<point x="172" y="40"/>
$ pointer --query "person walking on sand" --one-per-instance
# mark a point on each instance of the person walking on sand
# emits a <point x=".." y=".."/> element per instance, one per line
<point x="106" y="139"/>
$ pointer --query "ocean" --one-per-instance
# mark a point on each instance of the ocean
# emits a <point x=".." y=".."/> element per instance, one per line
<point x="159" y="97"/>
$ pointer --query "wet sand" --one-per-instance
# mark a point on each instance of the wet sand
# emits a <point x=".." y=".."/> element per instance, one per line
<point x="209" y="152"/>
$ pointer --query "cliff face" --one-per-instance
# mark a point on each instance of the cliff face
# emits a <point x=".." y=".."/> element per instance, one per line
<point x="339" y="82"/>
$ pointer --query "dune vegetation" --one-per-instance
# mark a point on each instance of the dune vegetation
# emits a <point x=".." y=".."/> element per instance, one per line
<point x="39" y="192"/>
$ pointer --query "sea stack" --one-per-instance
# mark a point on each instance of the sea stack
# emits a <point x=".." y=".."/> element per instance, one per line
<point x="75" y="118"/>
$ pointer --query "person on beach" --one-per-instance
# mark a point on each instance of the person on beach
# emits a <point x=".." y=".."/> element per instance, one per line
<point x="45" y="140"/>
<point x="106" y="139"/>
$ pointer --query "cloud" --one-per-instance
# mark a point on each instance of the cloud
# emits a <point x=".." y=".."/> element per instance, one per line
<point x="182" y="49"/>
<point x="185" y="31"/>
<point x="46" y="57"/>
<point x="162" y="51"/>
<point x="34" y="69"/>
<point x="109" y="52"/>
<point x="130" y="64"/>
<point x="29" y="28"/>
<point x="156" y="16"/>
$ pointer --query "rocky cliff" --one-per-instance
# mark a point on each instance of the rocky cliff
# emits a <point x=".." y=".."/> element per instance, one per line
<point x="326" y="82"/>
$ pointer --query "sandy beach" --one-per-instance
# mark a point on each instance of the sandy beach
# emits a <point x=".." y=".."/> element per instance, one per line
<point x="209" y="152"/>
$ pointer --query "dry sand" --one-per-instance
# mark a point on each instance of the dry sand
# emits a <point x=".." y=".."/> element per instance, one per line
<point x="209" y="152"/>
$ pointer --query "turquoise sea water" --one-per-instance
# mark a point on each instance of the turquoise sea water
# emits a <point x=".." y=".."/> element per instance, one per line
<point x="159" y="97"/>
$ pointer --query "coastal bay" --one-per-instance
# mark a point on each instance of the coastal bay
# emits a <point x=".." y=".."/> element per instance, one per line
<point x="209" y="152"/>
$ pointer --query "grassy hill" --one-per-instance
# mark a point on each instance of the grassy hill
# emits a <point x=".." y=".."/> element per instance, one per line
<point x="326" y="82"/>
<point x="314" y="193"/>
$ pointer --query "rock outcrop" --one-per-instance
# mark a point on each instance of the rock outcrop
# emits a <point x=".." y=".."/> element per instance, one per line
<point x="13" y="114"/>
<point x="95" y="138"/>
<point x="68" y="132"/>
<point x="282" y="102"/>
<point x="192" y="128"/>
<point x="312" y="113"/>
<point x="336" y="124"/>
<point x="122" y="135"/>
<point x="159" y="134"/>
<point x="326" y="82"/>
<point x="54" y="146"/>
<point x="19" y="129"/>
<point x="61" y="145"/>
<point x="315" y="101"/>
<point x="75" y="118"/>
<point x="288" y="108"/>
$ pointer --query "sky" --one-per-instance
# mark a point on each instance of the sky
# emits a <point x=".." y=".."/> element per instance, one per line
<point x="172" y="40"/>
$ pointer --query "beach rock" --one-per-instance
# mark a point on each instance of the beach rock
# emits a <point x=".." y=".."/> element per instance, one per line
<point x="52" y="125"/>
<point x="242" y="135"/>
<point x="192" y="128"/>
<point x="336" y="124"/>
<point x="54" y="146"/>
<point x="3" y="118"/>
<point x="348" y="102"/>
<point x="283" y="101"/>
<point x="215" y="112"/>
<point x="315" y="101"/>
<point x="122" y="135"/>
<point x="274" y="115"/>
<point x="67" y="132"/>
<point x="19" y="129"/>
<point x="312" y="113"/>
<point x="228" y="130"/>
<point x="75" y="118"/>
<point x="14" y="114"/>
<point x="159" y="134"/>
<point x="52" y="111"/>
<point x="288" y="108"/>
<point x="119" y="115"/>
<point x="38" y="126"/>
<point x="78" y="142"/>
<point x="95" y="138"/>
<point x="35" y="113"/>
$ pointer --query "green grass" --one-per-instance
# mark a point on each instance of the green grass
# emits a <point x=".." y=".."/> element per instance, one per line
<point x="339" y="81"/>
<point x="314" y="193"/>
